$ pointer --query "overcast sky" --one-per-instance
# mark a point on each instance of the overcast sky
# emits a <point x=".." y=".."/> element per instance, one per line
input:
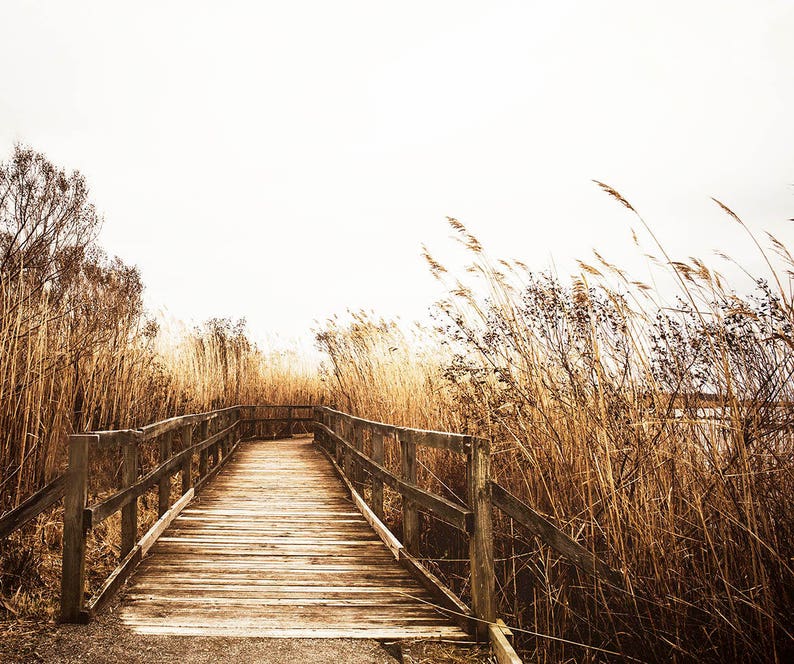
<point x="284" y="161"/>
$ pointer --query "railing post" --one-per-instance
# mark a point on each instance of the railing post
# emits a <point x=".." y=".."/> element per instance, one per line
<point x="410" y="513"/>
<point x="164" y="488"/>
<point x="357" y="440"/>
<point x="377" y="483"/>
<point x="223" y="422"/>
<point x="204" y="454"/>
<point x="339" y="430"/>
<point x="290" y="423"/>
<point x="187" y="441"/>
<point x="319" y="435"/>
<point x="73" y="564"/>
<point x="212" y="450"/>
<point x="129" y="513"/>
<point x="347" y="429"/>
<point x="483" y="582"/>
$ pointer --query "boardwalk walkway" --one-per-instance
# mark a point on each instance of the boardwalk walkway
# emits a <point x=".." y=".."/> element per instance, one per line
<point x="275" y="548"/>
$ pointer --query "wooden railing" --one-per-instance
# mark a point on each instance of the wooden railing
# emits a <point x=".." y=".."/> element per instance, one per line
<point x="344" y="437"/>
<point x="29" y="509"/>
<point x="217" y="433"/>
<point x="356" y="448"/>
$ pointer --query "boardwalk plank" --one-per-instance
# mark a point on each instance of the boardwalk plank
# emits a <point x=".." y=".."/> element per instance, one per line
<point x="274" y="548"/>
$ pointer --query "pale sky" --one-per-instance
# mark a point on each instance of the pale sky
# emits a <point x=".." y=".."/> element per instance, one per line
<point x="284" y="161"/>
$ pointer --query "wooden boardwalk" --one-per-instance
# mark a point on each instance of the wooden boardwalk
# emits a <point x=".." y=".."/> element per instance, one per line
<point x="274" y="547"/>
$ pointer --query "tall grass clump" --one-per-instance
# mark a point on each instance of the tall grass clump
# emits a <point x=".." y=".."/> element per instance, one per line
<point x="383" y="370"/>
<point x="654" y="428"/>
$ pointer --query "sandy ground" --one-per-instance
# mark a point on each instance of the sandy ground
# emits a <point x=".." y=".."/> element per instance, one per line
<point x="107" y="640"/>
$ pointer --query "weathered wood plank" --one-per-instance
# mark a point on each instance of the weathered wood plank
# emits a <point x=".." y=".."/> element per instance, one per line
<point x="459" y="612"/>
<point x="291" y="631"/>
<point x="377" y="525"/>
<point x="187" y="461"/>
<point x="410" y="513"/>
<point x="164" y="486"/>
<point x="501" y="647"/>
<point x="174" y="423"/>
<point x="455" y="442"/>
<point x="114" y="581"/>
<point x="266" y="406"/>
<point x="377" y="482"/>
<point x="133" y="558"/>
<point x="553" y="536"/>
<point x="148" y="540"/>
<point x="481" y="556"/>
<point x="33" y="506"/>
<point x="110" y="439"/>
<point x="129" y="513"/>
<point x="73" y="566"/>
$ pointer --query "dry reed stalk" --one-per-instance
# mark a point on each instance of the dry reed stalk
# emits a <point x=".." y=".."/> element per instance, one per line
<point x="659" y="436"/>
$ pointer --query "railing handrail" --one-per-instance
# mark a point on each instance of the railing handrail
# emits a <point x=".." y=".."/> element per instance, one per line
<point x="148" y="431"/>
<point x="456" y="442"/>
<point x="32" y="506"/>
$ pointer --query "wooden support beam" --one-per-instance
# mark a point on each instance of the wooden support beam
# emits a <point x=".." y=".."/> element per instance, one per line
<point x="410" y="513"/>
<point x="347" y="430"/>
<point x="319" y="435"/>
<point x="129" y="513"/>
<point x="377" y="481"/>
<point x="203" y="456"/>
<point x="552" y="536"/>
<point x="481" y="556"/>
<point x="73" y="565"/>
<point x="358" y="443"/>
<point x="500" y="645"/>
<point x="336" y="426"/>
<point x="187" y="440"/>
<point x="164" y="487"/>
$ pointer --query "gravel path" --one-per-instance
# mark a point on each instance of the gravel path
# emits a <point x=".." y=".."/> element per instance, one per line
<point x="107" y="641"/>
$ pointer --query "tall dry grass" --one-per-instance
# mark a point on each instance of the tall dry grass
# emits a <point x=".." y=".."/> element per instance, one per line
<point x="661" y="436"/>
